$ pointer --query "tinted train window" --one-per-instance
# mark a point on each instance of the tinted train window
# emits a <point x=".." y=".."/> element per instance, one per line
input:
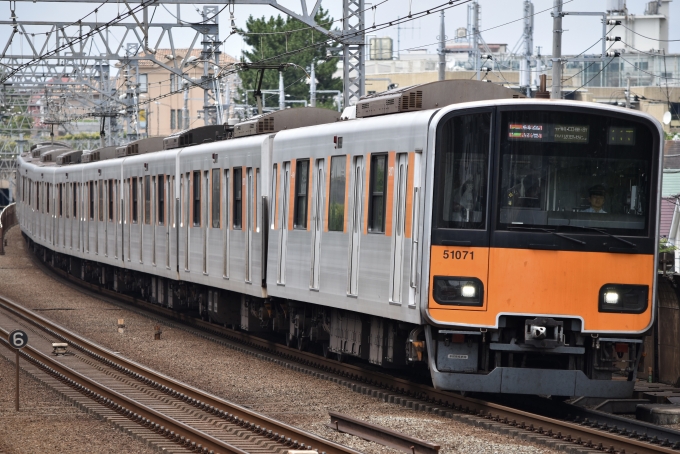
<point x="197" y="199"/>
<point x="378" y="192"/>
<point x="147" y="199"/>
<point x="111" y="199"/>
<point x="238" y="190"/>
<point x="135" y="203"/>
<point x="574" y="172"/>
<point x="216" y="180"/>
<point x="301" y="189"/>
<point x="92" y="199"/>
<point x="461" y="175"/>
<point x="336" y="203"/>
<point x="161" y="199"/>
<point x="101" y="199"/>
<point x="48" y="197"/>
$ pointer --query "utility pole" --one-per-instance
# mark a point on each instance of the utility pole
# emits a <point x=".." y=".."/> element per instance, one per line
<point x="282" y="93"/>
<point x="525" y="63"/>
<point x="442" y="47"/>
<point x="312" y="86"/>
<point x="185" y="111"/>
<point x="474" y="9"/>
<point x="557" y="14"/>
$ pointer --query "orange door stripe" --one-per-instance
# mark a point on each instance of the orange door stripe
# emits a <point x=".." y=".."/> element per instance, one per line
<point x="254" y="200"/>
<point x="408" y="212"/>
<point x="327" y="193"/>
<point x="244" y="199"/>
<point x="367" y="188"/>
<point x="291" y="194"/>
<point x="389" y="191"/>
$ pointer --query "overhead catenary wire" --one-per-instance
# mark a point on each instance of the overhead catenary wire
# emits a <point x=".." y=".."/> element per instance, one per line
<point x="597" y="74"/>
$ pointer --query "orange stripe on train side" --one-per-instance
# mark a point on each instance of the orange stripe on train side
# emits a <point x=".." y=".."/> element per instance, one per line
<point x="408" y="213"/>
<point x="254" y="200"/>
<point x="559" y="283"/>
<point x="389" y="190"/>
<point x="348" y="173"/>
<point x="328" y="194"/>
<point x="367" y="187"/>
<point x="291" y="195"/>
<point x="244" y="196"/>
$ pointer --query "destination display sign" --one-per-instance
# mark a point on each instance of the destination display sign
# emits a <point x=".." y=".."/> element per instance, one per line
<point x="541" y="132"/>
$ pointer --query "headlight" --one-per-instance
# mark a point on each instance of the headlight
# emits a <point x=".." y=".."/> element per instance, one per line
<point x="624" y="298"/>
<point x="458" y="291"/>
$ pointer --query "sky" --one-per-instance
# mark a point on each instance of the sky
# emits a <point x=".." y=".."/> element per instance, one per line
<point x="580" y="32"/>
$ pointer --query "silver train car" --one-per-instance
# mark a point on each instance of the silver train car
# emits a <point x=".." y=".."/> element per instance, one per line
<point x="439" y="226"/>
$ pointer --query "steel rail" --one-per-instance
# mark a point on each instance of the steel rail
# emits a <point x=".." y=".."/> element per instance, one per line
<point x="572" y="432"/>
<point x="146" y="416"/>
<point x="285" y="433"/>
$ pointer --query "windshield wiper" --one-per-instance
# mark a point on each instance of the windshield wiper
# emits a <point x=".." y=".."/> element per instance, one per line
<point x="561" y="235"/>
<point x="603" y="232"/>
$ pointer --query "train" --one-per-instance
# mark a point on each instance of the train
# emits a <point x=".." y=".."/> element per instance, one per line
<point x="502" y="244"/>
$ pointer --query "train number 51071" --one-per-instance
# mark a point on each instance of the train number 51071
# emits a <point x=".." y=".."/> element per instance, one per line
<point x="459" y="255"/>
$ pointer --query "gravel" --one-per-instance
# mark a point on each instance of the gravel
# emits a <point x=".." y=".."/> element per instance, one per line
<point x="287" y="395"/>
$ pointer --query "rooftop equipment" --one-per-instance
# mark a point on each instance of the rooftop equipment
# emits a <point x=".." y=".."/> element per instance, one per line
<point x="285" y="119"/>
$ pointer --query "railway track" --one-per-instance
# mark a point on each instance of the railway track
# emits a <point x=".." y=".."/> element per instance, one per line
<point x="183" y="415"/>
<point x="568" y="430"/>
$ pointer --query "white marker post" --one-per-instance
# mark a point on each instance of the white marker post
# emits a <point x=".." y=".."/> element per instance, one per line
<point x="18" y="340"/>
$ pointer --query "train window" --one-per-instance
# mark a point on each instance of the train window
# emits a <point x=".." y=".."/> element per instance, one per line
<point x="146" y="188"/>
<point x="272" y="198"/>
<point x="61" y="201"/>
<point x="462" y="167"/>
<point x="336" y="198"/>
<point x="216" y="198"/>
<point x="160" y="189"/>
<point x="92" y="199"/>
<point x="573" y="172"/>
<point x="257" y="190"/>
<point x="135" y="203"/>
<point x="37" y="196"/>
<point x="301" y="192"/>
<point x="47" y="205"/>
<point x="197" y="199"/>
<point x="378" y="192"/>
<point x="111" y="198"/>
<point x="238" y="193"/>
<point x="74" y="190"/>
<point x="101" y="199"/>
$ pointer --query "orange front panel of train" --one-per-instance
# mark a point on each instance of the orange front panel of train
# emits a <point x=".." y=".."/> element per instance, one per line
<point x="559" y="283"/>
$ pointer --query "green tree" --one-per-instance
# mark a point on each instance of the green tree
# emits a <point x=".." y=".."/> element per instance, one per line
<point x="286" y="40"/>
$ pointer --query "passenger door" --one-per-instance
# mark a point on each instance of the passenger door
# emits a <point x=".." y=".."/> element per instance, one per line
<point x="283" y="223"/>
<point x="317" y="222"/>
<point x="397" y="265"/>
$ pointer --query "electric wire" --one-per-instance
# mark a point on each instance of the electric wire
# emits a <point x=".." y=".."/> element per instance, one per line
<point x="647" y="37"/>
<point x="597" y="74"/>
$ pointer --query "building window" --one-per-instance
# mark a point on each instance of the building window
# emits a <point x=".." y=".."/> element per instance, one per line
<point x="301" y="188"/>
<point x="143" y="80"/>
<point x="197" y="199"/>
<point x="160" y="188"/>
<point x="147" y="199"/>
<point x="173" y="119"/>
<point x="376" y="203"/>
<point x="336" y="202"/>
<point x="216" y="198"/>
<point x="135" y="206"/>
<point x="238" y="192"/>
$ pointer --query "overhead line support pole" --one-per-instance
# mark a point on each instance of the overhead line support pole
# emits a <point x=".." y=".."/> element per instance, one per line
<point x="557" y="14"/>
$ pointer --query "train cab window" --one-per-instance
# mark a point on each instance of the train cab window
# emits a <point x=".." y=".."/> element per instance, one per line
<point x="197" y="199"/>
<point x="160" y="190"/>
<point x="575" y="173"/>
<point x="92" y="199"/>
<point x="238" y="193"/>
<point x="378" y="188"/>
<point x="336" y="198"/>
<point x="135" y="203"/>
<point x="147" y="199"/>
<point x="301" y="192"/>
<point x="216" y="180"/>
<point x="101" y="199"/>
<point x="461" y="175"/>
